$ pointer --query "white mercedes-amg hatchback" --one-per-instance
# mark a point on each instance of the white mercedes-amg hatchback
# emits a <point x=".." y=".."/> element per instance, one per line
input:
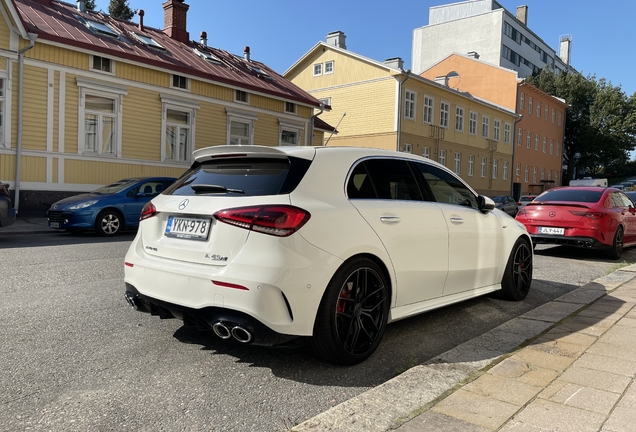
<point x="269" y="244"/>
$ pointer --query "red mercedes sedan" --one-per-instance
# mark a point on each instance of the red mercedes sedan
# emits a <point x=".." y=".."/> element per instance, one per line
<point x="585" y="217"/>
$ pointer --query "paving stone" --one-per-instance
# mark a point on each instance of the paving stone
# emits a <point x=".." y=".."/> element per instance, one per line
<point x="561" y="348"/>
<point x="622" y="419"/>
<point x="602" y="316"/>
<point x="539" y="377"/>
<point x="543" y="359"/>
<point x="476" y="409"/>
<point x="436" y="422"/>
<point x="627" y="322"/>
<point x="629" y="397"/>
<point x="552" y="389"/>
<point x="619" y="335"/>
<point x="510" y="368"/>
<point x="552" y="312"/>
<point x="503" y="389"/>
<point x="586" y="398"/>
<point x="586" y="325"/>
<point x="582" y="296"/>
<point x="607" y="364"/>
<point x="625" y="352"/>
<point x="596" y="379"/>
<point x="550" y="416"/>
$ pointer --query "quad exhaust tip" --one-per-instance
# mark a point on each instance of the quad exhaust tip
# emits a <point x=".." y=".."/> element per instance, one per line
<point x="227" y="330"/>
<point x="131" y="300"/>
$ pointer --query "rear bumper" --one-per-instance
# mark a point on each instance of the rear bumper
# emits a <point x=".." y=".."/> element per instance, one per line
<point x="581" y="242"/>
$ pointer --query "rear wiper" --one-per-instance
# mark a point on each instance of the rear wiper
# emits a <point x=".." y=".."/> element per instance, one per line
<point x="203" y="188"/>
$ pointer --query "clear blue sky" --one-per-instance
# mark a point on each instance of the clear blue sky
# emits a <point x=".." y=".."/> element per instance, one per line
<point x="279" y="32"/>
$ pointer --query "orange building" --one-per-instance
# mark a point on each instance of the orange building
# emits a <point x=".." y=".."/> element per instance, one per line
<point x="538" y="134"/>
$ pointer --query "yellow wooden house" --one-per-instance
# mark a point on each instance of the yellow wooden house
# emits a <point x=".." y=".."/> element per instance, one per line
<point x="380" y="105"/>
<point x="87" y="99"/>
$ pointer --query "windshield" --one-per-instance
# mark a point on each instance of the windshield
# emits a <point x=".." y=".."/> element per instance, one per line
<point x="572" y="195"/>
<point x="114" y="187"/>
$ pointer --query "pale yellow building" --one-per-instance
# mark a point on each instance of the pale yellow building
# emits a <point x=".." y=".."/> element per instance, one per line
<point x="378" y="104"/>
<point x="87" y="99"/>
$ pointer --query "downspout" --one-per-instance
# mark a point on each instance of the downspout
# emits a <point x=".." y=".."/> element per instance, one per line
<point x="18" y="150"/>
<point x="399" y="122"/>
<point x="311" y="123"/>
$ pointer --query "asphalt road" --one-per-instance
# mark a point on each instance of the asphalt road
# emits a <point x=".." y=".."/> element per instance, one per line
<point x="75" y="356"/>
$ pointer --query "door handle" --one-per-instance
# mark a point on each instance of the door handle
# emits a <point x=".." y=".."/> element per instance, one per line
<point x="389" y="219"/>
<point x="457" y="220"/>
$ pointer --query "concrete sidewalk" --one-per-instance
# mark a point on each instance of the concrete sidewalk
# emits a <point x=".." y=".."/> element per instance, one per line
<point x="569" y="365"/>
<point x="28" y="225"/>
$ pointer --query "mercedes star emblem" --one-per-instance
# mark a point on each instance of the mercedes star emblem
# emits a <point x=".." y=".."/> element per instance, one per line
<point x="552" y="214"/>
<point x="183" y="204"/>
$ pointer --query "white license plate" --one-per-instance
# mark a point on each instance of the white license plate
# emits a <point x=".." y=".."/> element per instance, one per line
<point x="54" y="224"/>
<point x="551" y="230"/>
<point x="188" y="228"/>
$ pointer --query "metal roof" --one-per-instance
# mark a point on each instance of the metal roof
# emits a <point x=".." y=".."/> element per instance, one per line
<point x="61" y="23"/>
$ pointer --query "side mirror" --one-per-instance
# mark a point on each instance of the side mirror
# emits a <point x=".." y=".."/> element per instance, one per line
<point x="485" y="204"/>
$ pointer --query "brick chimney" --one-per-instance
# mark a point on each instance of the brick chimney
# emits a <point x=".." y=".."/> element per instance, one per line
<point x="174" y="20"/>
<point x="522" y="14"/>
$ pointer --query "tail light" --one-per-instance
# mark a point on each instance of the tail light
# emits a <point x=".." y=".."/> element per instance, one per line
<point x="148" y="211"/>
<point x="588" y="214"/>
<point x="276" y="220"/>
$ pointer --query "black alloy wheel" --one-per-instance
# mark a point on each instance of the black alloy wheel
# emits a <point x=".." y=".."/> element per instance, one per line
<point x="518" y="274"/>
<point x="616" y="251"/>
<point x="353" y="314"/>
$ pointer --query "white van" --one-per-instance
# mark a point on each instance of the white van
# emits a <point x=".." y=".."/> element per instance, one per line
<point x="587" y="181"/>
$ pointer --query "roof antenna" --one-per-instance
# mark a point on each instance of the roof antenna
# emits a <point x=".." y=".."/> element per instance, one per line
<point x="336" y="128"/>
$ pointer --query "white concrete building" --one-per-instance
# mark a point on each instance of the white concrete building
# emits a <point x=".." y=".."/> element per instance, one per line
<point x="485" y="30"/>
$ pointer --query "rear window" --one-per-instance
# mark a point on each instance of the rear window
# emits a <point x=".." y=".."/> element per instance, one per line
<point x="241" y="177"/>
<point x="572" y="195"/>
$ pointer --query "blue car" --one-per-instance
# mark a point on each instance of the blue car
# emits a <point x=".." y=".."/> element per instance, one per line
<point x="109" y="209"/>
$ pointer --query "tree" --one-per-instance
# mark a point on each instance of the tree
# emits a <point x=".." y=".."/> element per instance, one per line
<point x="90" y="5"/>
<point x="600" y="126"/>
<point x="120" y="9"/>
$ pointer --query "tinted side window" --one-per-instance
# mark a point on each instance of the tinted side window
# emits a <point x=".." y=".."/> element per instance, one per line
<point x="392" y="179"/>
<point x="446" y="188"/>
<point x="359" y="185"/>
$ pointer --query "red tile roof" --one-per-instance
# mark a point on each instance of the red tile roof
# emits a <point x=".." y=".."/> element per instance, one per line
<point x="58" y="22"/>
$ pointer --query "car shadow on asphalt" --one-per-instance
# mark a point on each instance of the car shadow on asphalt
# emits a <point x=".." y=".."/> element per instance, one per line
<point x="60" y="239"/>
<point x="629" y="254"/>
<point x="478" y="325"/>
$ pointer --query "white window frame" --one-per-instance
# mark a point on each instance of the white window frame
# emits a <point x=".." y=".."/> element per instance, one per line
<point x="542" y="173"/>
<point x="484" y="165"/>
<point x="551" y="146"/>
<point x="530" y="105"/>
<point x="545" y="144"/>
<point x="518" y="170"/>
<point x="522" y="102"/>
<point x="538" y="109"/>
<point x="293" y="105"/>
<point x="485" y="126"/>
<point x="496" y="132"/>
<point x="471" y="165"/>
<point x="560" y="118"/>
<point x="458" y="163"/>
<point x="410" y="99"/>
<point x="546" y="112"/>
<point x="429" y="108"/>
<point x="505" y="170"/>
<point x="407" y="148"/>
<point x="247" y="97"/>
<point x="528" y="139"/>
<point x="91" y="63"/>
<point x="536" y="142"/>
<point x="169" y="102"/>
<point x="240" y="117"/>
<point x="318" y="66"/>
<point x="426" y="152"/>
<point x="507" y="128"/>
<point x="527" y="173"/>
<point x="553" y="115"/>
<point x="459" y="119"/>
<point x="444" y="114"/>
<point x="325" y="71"/>
<point x="442" y="157"/>
<point x="494" y="168"/>
<point x="187" y="82"/>
<point x="105" y="90"/>
<point x="472" y="123"/>
<point x="519" y="137"/>
<point x="534" y="175"/>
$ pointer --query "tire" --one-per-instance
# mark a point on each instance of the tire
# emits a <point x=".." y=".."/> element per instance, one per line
<point x="109" y="223"/>
<point x="351" y="322"/>
<point x="616" y="250"/>
<point x="517" y="277"/>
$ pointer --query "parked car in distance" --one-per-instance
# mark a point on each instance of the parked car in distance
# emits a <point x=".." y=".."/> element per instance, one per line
<point x="524" y="200"/>
<point x="7" y="212"/>
<point x="108" y="209"/>
<point x="618" y="186"/>
<point x="632" y="196"/>
<point x="507" y="204"/>
<point x="246" y="244"/>
<point x="628" y="185"/>
<point x="584" y="217"/>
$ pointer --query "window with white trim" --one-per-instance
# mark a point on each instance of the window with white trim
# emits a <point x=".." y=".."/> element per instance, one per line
<point x="530" y="105"/>
<point x="538" y="109"/>
<point x="459" y="119"/>
<point x="241" y="96"/>
<point x="551" y="146"/>
<point x="426" y="152"/>
<point x="318" y="69"/>
<point x="100" y="125"/>
<point x="542" y="173"/>
<point x="556" y="178"/>
<point x="428" y="109"/>
<point x="536" y="142"/>
<point x="496" y="129"/>
<point x="442" y="157"/>
<point x="549" y="174"/>
<point x="472" y="124"/>
<point x="2" y="143"/>
<point x="518" y="170"/>
<point x="409" y="104"/>
<point x="527" y="171"/>
<point x="505" y="170"/>
<point x="545" y="116"/>
<point x="559" y="118"/>
<point x="558" y="152"/>
<point x="521" y="101"/>
<point x="101" y="64"/>
<point x="180" y="82"/>
<point x="178" y="139"/>
<point x="528" y="139"/>
<point x="485" y="126"/>
<point x="329" y="67"/>
<point x="471" y="165"/>
<point x="534" y="175"/>
<point x="290" y="107"/>
<point x="553" y="112"/>
<point x="545" y="142"/>
<point x="458" y="163"/>
<point x="240" y="127"/>
<point x="407" y="148"/>
<point x="444" y="109"/>
<point x="507" y="133"/>
<point x="494" y="168"/>
<point x="289" y="137"/>
<point x="483" y="166"/>
<point x="519" y="136"/>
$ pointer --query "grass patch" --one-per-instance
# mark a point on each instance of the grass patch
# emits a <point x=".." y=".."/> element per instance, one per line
<point x="617" y="266"/>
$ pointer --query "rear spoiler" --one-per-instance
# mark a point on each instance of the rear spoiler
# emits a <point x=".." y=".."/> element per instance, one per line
<point x="237" y="151"/>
